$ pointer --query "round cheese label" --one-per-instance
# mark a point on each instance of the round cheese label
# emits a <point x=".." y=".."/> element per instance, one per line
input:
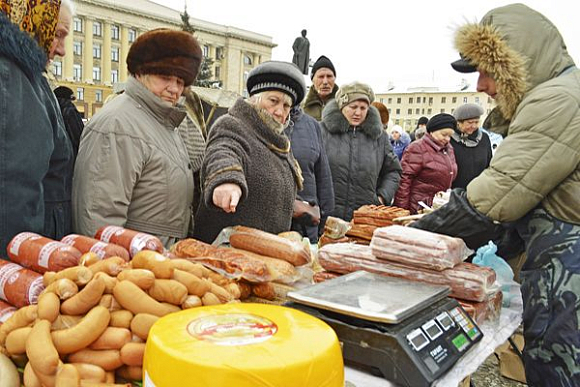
<point x="232" y="329"/>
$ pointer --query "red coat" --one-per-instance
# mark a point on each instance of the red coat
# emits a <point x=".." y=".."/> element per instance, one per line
<point x="428" y="167"/>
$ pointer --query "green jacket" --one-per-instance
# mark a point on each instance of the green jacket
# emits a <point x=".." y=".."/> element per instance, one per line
<point x="313" y="105"/>
<point x="538" y="109"/>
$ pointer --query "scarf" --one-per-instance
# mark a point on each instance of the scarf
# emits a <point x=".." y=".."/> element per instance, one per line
<point x="470" y="140"/>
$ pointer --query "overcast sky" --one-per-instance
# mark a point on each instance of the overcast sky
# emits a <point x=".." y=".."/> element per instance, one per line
<point x="404" y="42"/>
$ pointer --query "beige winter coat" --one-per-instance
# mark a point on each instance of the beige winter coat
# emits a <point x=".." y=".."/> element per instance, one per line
<point x="133" y="169"/>
<point x="538" y="110"/>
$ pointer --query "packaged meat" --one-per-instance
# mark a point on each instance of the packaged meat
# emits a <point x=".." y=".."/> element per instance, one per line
<point x="466" y="280"/>
<point x="486" y="310"/>
<point x="378" y="215"/>
<point x="133" y="241"/>
<point x="335" y="228"/>
<point x="6" y="310"/>
<point x="42" y="254"/>
<point x="19" y="286"/>
<point x="270" y="245"/>
<point x="86" y="244"/>
<point x="362" y="231"/>
<point x="324" y="276"/>
<point x="236" y="263"/>
<point x="324" y="240"/>
<point x="419" y="248"/>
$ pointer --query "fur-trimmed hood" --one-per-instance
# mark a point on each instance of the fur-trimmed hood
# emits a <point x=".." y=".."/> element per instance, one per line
<point x="336" y="122"/>
<point x="20" y="48"/>
<point x="502" y="45"/>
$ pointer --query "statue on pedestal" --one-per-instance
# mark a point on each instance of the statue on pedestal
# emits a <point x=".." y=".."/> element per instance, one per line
<point x="301" y="49"/>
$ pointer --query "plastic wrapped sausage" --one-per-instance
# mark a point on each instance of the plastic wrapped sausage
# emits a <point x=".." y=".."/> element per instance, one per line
<point x="19" y="286"/>
<point x="103" y="250"/>
<point x="42" y="254"/>
<point x="6" y="310"/>
<point x="133" y="241"/>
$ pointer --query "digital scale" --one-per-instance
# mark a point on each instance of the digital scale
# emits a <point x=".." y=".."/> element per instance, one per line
<point x="410" y="333"/>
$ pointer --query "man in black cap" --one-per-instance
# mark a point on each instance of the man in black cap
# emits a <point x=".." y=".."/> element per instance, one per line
<point x="531" y="190"/>
<point x="323" y="87"/>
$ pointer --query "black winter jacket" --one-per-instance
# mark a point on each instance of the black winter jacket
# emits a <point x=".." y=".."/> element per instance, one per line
<point x="472" y="155"/>
<point x="308" y="149"/>
<point x="361" y="159"/>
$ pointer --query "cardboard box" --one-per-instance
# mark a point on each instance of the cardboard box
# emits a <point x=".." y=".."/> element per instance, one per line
<point x="510" y="364"/>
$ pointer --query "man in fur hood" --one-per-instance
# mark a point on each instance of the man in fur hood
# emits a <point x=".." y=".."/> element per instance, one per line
<point x="531" y="190"/>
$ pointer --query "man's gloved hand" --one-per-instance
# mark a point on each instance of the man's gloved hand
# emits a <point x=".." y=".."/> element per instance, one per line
<point x="307" y="214"/>
<point x="459" y="219"/>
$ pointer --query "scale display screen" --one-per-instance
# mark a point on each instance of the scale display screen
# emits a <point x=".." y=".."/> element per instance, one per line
<point x="417" y="339"/>
<point x="445" y="321"/>
<point x="432" y="329"/>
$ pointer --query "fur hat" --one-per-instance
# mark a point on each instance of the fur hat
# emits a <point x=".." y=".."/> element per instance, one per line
<point x="320" y="63"/>
<point x="165" y="52"/>
<point x="280" y="76"/>
<point x="468" y="111"/>
<point x="441" y="121"/>
<point x="353" y="92"/>
<point x="383" y="111"/>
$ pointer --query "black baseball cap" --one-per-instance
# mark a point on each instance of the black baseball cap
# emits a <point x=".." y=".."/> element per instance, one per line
<point x="463" y="65"/>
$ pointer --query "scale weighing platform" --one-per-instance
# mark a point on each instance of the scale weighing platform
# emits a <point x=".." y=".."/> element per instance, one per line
<point x="410" y="333"/>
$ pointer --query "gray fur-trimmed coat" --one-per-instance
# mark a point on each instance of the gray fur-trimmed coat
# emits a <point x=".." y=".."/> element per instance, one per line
<point x="243" y="150"/>
<point x="362" y="161"/>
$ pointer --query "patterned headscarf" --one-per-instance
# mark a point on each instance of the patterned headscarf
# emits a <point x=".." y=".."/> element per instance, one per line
<point x="36" y="17"/>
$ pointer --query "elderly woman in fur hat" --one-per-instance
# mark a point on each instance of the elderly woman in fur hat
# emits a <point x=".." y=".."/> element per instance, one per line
<point x="249" y="174"/>
<point x="364" y="168"/>
<point x="133" y="169"/>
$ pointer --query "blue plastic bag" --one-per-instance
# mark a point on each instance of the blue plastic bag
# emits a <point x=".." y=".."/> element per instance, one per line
<point x="486" y="256"/>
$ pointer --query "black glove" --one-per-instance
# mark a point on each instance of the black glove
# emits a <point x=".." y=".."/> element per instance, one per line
<point x="459" y="219"/>
<point x="306" y="214"/>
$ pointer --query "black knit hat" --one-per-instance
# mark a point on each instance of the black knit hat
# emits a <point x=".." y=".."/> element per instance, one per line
<point x="441" y="121"/>
<point x="422" y="121"/>
<point x="320" y="63"/>
<point x="279" y="76"/>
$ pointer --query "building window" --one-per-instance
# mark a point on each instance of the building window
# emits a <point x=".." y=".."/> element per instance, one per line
<point x="247" y="60"/>
<point x="97" y="28"/>
<point x="218" y="72"/>
<point x="80" y="93"/>
<point x="411" y="100"/>
<point x="57" y="68"/>
<point x="442" y="111"/>
<point x="477" y="100"/>
<point x="390" y="101"/>
<point x="429" y="112"/>
<point x="219" y="53"/>
<point x="115" y="32"/>
<point x="97" y="51"/>
<point x="430" y="100"/>
<point x="114" y="76"/>
<point x="409" y="111"/>
<point x="78" y="24"/>
<point x="78" y="48"/>
<point x="454" y="100"/>
<point x="115" y="54"/>
<point x="417" y="111"/>
<point x="423" y="111"/>
<point x="96" y="73"/>
<point x="389" y="109"/>
<point x="443" y="99"/>
<point x="98" y="95"/>
<point x="132" y="35"/>
<point x="77" y="72"/>
<point x="464" y="99"/>
<point x="398" y="101"/>
<point x="452" y="111"/>
<point x="205" y="50"/>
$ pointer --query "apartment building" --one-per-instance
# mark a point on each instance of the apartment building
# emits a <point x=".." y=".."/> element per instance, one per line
<point x="103" y="30"/>
<point x="406" y="107"/>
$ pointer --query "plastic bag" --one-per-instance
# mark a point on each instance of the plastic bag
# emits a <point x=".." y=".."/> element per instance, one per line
<point x="486" y="256"/>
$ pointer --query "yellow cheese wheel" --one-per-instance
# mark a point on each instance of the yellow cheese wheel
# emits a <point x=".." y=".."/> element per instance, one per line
<point x="242" y="345"/>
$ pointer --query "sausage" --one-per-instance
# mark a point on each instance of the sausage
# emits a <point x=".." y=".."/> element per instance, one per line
<point x="264" y="243"/>
<point x="40" y="349"/>
<point x="82" y="334"/>
<point x="90" y="372"/>
<point x="84" y="300"/>
<point x="142" y="323"/>
<point x="48" y="307"/>
<point x="210" y="299"/>
<point x="23" y="317"/>
<point x="133" y="241"/>
<point x="141" y="277"/>
<point x="6" y="310"/>
<point x="42" y="254"/>
<point x="132" y="354"/>
<point x="159" y="264"/>
<point x="134" y="299"/>
<point x="171" y="291"/>
<point x="64" y="322"/>
<point x="110" y="282"/>
<point x="107" y="359"/>
<point x="64" y="288"/>
<point x="111" y="266"/>
<point x="67" y="376"/>
<point x="86" y="244"/>
<point x="121" y="318"/>
<point x="191" y="302"/>
<point x="112" y="338"/>
<point x="16" y="341"/>
<point x="130" y="373"/>
<point x="29" y="377"/>
<point x="19" y="286"/>
<point x="195" y="285"/>
<point x="80" y="275"/>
